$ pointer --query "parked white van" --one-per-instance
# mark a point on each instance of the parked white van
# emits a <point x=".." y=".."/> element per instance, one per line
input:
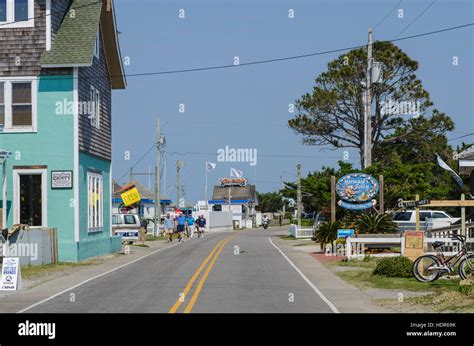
<point x="429" y="219"/>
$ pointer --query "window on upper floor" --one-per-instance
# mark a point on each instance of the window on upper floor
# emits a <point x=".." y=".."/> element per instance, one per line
<point x="16" y="13"/>
<point x="18" y="105"/>
<point x="95" y="100"/>
<point x="97" y="44"/>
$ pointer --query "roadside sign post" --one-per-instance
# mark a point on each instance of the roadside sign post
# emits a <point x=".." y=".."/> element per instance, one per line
<point x="11" y="274"/>
<point x="413" y="244"/>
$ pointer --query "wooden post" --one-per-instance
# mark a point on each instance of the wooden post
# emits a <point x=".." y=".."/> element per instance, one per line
<point x="333" y="198"/>
<point x="463" y="217"/>
<point x="298" y="194"/>
<point x="381" y="208"/>
<point x="417" y="214"/>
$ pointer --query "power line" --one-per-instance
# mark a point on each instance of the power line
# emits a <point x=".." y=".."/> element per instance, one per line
<point x="266" y="61"/>
<point x="140" y="160"/>
<point x="467" y="135"/>
<point x="386" y="16"/>
<point x="417" y="17"/>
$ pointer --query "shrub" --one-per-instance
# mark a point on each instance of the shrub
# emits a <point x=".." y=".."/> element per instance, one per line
<point x="465" y="287"/>
<point x="394" y="267"/>
<point x="375" y="223"/>
<point x="327" y="233"/>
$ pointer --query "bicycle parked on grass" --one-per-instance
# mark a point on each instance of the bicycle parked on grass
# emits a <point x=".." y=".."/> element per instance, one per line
<point x="428" y="268"/>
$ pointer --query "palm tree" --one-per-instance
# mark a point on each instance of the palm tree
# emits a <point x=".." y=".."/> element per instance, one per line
<point x="327" y="234"/>
<point x="375" y="223"/>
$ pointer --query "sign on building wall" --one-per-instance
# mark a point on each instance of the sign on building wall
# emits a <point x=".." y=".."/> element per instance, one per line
<point x="61" y="179"/>
<point x="357" y="191"/>
<point x="11" y="274"/>
<point x="130" y="197"/>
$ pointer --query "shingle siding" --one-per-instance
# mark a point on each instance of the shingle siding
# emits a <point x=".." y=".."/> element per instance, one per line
<point x="23" y="45"/>
<point x="91" y="140"/>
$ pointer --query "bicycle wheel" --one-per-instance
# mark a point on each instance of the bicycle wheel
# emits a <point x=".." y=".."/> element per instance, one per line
<point x="422" y="268"/>
<point x="466" y="267"/>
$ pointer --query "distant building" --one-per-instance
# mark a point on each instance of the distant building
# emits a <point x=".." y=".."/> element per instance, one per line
<point x="147" y="202"/>
<point x="237" y="196"/>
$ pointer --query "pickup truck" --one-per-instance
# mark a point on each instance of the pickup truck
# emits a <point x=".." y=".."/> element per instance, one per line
<point x="127" y="226"/>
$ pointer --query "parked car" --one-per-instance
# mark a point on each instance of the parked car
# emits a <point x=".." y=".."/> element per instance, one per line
<point x="320" y="218"/>
<point x="429" y="219"/>
<point x="127" y="226"/>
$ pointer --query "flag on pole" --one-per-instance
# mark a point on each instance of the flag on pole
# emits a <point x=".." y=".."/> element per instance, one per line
<point x="210" y="166"/>
<point x="235" y="173"/>
<point x="444" y="165"/>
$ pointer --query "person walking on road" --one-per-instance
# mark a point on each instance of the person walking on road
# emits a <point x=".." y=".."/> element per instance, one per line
<point x="201" y="224"/>
<point x="180" y="225"/>
<point x="169" y="226"/>
<point x="190" y="226"/>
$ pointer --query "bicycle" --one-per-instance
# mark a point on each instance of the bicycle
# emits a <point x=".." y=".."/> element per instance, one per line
<point x="428" y="268"/>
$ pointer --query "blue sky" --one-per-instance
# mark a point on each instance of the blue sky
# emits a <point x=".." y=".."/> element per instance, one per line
<point x="247" y="107"/>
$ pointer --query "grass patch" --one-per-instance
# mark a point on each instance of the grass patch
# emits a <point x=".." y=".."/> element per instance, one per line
<point x="140" y="245"/>
<point x="151" y="237"/>
<point x="31" y="272"/>
<point x="287" y="237"/>
<point x="363" y="278"/>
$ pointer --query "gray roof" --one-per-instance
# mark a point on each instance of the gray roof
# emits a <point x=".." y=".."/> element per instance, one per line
<point x="236" y="192"/>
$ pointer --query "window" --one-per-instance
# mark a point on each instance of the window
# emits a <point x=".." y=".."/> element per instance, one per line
<point x="3" y="10"/>
<point x="97" y="44"/>
<point x="21" y="111"/>
<point x="424" y="215"/>
<point x="403" y="216"/>
<point x="115" y="220"/>
<point x="18" y="105"/>
<point x="30" y="197"/>
<point x="129" y="219"/>
<point x="95" y="202"/>
<point x="16" y="13"/>
<point x="438" y="215"/>
<point x="95" y="100"/>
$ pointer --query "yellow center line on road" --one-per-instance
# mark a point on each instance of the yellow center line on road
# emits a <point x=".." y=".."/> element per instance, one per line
<point x="200" y="285"/>
<point x="188" y="287"/>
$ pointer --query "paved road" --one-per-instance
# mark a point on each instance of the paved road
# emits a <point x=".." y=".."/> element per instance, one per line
<point x="224" y="272"/>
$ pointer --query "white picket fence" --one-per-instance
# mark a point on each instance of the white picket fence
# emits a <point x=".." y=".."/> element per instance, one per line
<point x="301" y="233"/>
<point x="354" y="246"/>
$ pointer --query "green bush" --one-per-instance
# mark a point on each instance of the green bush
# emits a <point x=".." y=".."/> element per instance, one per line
<point x="394" y="267"/>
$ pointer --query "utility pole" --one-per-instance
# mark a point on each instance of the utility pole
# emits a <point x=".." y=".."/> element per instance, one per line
<point x="298" y="194"/>
<point x="177" y="183"/>
<point x="159" y="142"/>
<point x="282" y="188"/>
<point x="368" y="107"/>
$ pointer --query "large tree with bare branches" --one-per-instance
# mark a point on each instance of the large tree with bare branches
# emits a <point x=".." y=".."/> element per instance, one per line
<point x="333" y="114"/>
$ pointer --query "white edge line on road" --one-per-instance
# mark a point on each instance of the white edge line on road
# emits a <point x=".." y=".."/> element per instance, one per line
<point x="93" y="278"/>
<point x="320" y="294"/>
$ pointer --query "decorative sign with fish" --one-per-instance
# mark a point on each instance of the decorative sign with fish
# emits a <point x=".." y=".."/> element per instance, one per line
<point x="357" y="191"/>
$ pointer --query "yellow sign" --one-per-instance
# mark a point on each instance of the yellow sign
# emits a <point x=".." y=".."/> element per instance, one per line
<point x="414" y="244"/>
<point x="130" y="197"/>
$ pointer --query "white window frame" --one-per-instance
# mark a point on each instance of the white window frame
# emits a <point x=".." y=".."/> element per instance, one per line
<point x="95" y="99"/>
<point x="44" y="194"/>
<point x="10" y="22"/>
<point x="97" y="44"/>
<point x="95" y="218"/>
<point x="8" y="103"/>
